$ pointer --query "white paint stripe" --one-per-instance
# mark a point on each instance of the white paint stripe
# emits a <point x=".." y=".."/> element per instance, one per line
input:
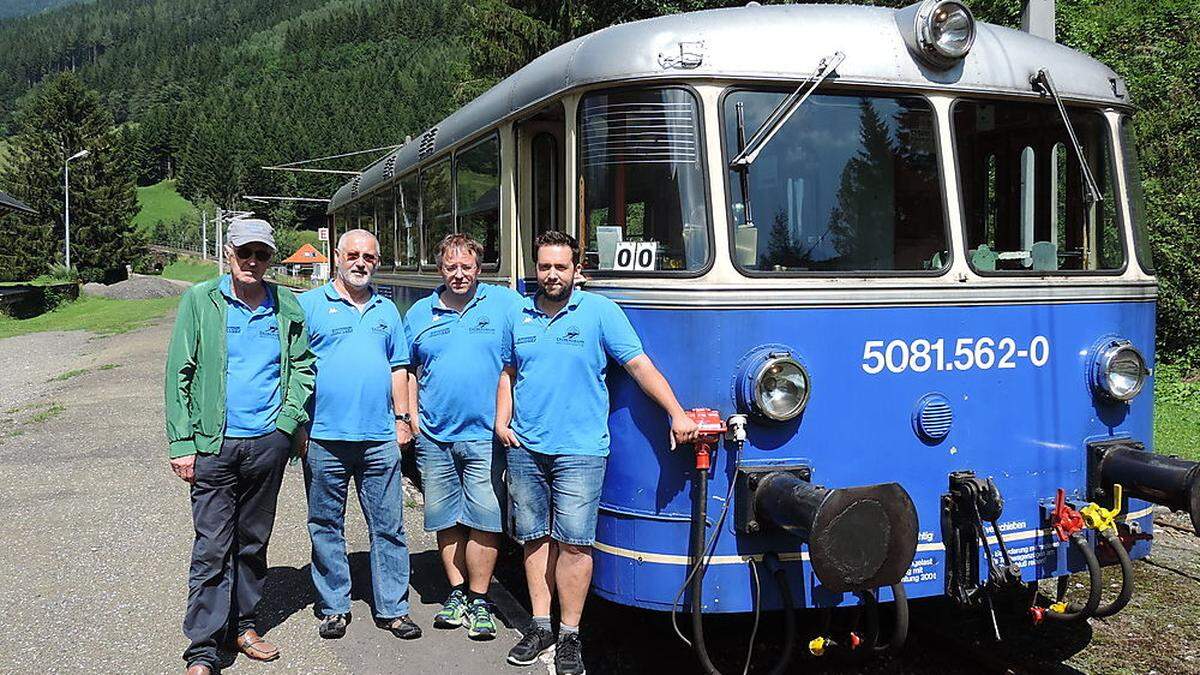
<point x="669" y="559"/>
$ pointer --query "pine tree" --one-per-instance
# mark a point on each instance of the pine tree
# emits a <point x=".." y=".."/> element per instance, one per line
<point x="60" y="119"/>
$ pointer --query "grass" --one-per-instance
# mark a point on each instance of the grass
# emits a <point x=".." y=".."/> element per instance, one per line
<point x="52" y="411"/>
<point x="190" y="269"/>
<point x="98" y="315"/>
<point x="1176" y="412"/>
<point x="158" y="202"/>
<point x="80" y="371"/>
<point x="68" y="375"/>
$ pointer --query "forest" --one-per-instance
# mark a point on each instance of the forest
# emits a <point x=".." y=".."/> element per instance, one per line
<point x="208" y="91"/>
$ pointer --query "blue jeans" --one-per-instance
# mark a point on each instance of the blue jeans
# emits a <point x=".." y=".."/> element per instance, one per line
<point x="556" y="495"/>
<point x="464" y="483"/>
<point x="375" y="467"/>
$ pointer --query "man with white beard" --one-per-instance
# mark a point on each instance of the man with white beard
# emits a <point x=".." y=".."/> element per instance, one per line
<point x="360" y="419"/>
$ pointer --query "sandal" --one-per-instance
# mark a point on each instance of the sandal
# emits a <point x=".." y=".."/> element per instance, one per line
<point x="254" y="647"/>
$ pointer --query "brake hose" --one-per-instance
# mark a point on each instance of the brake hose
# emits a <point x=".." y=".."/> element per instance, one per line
<point x="1095" y="582"/>
<point x="1122" y="599"/>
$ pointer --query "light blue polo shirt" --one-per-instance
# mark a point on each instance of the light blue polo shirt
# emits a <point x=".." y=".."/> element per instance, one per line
<point x="356" y="353"/>
<point x="560" y="399"/>
<point x="252" y="395"/>
<point x="460" y="360"/>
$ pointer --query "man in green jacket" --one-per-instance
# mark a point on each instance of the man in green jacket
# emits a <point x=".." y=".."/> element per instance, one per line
<point x="239" y="373"/>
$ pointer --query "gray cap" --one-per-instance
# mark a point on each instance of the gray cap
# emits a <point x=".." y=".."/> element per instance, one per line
<point x="245" y="230"/>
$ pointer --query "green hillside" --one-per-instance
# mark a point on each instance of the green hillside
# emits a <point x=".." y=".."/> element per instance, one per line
<point x="15" y="8"/>
<point x="161" y="201"/>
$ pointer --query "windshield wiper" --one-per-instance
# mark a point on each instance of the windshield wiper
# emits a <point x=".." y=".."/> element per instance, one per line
<point x="783" y="112"/>
<point x="1043" y="82"/>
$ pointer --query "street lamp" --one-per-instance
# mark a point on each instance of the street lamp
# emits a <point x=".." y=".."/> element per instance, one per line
<point x="67" y="199"/>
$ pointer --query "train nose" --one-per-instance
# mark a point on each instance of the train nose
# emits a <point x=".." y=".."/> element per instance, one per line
<point x="858" y="537"/>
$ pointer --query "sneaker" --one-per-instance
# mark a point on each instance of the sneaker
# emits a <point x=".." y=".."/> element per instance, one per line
<point x="333" y="626"/>
<point x="402" y="627"/>
<point x="480" y="625"/>
<point x="451" y="614"/>
<point x="532" y="645"/>
<point x="568" y="656"/>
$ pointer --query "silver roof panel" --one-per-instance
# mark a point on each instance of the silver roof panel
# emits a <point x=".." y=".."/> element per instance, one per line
<point x="778" y="42"/>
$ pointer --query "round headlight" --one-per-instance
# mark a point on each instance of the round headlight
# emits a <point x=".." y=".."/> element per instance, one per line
<point x="950" y="29"/>
<point x="944" y="31"/>
<point x="1119" y="371"/>
<point x="781" y="388"/>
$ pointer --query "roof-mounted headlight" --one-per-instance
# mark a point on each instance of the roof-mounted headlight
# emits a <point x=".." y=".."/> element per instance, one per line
<point x="940" y="32"/>
<point x="1118" y="370"/>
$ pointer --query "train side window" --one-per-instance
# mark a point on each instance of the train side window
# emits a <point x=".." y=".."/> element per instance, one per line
<point x="477" y="185"/>
<point x="1137" y="199"/>
<point x="365" y="216"/>
<point x="1024" y="194"/>
<point x="408" y="221"/>
<point x="385" y="221"/>
<point x="642" y="182"/>
<point x="437" y="209"/>
<point x="545" y="183"/>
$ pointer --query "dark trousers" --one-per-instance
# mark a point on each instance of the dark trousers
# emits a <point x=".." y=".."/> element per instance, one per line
<point x="233" y="511"/>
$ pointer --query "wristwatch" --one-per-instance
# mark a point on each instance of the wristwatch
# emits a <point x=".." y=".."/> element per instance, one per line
<point x="404" y="417"/>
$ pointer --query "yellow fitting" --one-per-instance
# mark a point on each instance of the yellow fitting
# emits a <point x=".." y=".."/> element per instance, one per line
<point x="1099" y="518"/>
<point x="816" y="646"/>
<point x="1059" y="607"/>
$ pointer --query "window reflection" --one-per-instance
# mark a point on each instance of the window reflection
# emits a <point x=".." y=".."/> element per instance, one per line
<point x="849" y="184"/>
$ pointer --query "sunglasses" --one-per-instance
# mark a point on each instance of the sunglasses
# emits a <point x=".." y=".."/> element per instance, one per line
<point x="245" y="253"/>
<point x="369" y="258"/>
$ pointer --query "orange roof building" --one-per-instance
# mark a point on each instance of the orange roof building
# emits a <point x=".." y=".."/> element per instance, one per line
<point x="305" y="255"/>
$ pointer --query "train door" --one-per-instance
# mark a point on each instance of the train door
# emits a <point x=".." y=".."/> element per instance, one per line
<point x="540" y="180"/>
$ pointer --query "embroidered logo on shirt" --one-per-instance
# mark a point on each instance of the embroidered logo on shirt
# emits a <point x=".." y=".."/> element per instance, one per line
<point x="527" y="320"/>
<point x="333" y="310"/>
<point x="271" y="331"/>
<point x="380" y="327"/>
<point x="571" y="337"/>
<point x="484" y="325"/>
<point x="341" y="330"/>
<point x="233" y="330"/>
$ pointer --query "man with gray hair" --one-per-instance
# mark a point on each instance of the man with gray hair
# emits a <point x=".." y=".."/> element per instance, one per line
<point x="238" y="376"/>
<point x="360" y="418"/>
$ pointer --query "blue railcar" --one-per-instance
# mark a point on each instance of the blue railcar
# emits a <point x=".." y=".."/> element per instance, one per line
<point x="901" y="253"/>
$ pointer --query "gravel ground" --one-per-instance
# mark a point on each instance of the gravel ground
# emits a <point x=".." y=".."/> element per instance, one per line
<point x="138" y="287"/>
<point x="97" y="534"/>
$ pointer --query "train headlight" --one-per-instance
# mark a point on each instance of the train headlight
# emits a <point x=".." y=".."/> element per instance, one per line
<point x="941" y="32"/>
<point x="774" y="384"/>
<point x="1118" y="370"/>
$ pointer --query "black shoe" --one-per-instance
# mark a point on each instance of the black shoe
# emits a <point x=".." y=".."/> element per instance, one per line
<point x="333" y="626"/>
<point x="402" y="627"/>
<point x="532" y="645"/>
<point x="568" y="656"/>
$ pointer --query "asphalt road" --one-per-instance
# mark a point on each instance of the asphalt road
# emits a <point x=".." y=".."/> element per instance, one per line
<point x="96" y="534"/>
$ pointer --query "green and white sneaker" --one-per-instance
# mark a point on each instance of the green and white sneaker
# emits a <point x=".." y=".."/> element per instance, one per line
<point x="480" y="625"/>
<point x="451" y="614"/>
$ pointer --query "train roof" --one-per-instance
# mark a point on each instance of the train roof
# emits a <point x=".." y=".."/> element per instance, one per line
<point x="778" y="42"/>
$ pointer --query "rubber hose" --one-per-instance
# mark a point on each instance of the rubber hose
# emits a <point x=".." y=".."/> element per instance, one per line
<point x="870" y="635"/>
<point x="1126" y="593"/>
<point x="789" y="614"/>
<point x="699" y="524"/>
<point x="900" y="632"/>
<point x="1094" y="582"/>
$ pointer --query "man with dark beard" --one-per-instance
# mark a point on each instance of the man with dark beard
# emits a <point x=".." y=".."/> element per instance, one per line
<point x="552" y="414"/>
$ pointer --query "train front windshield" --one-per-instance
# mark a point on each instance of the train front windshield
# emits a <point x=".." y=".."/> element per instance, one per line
<point x="850" y="184"/>
<point x="1025" y="200"/>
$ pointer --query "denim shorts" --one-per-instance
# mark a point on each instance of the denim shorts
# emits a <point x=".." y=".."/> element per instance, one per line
<point x="555" y="495"/>
<point x="463" y="482"/>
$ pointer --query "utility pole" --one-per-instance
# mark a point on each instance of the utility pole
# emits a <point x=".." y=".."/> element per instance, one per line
<point x="204" y="235"/>
<point x="67" y="201"/>
<point x="1038" y="18"/>
<point x="219" y="254"/>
